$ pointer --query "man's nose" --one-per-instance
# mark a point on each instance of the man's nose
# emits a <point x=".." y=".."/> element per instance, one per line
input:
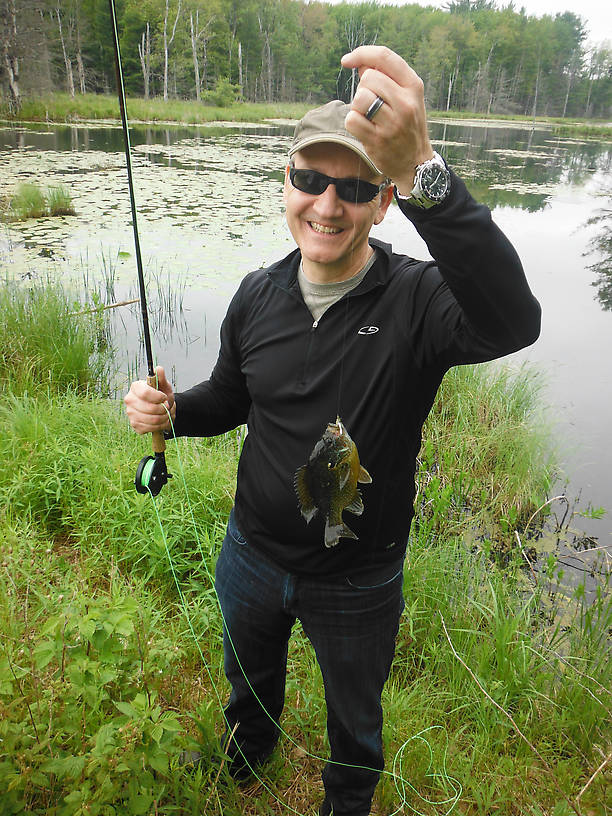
<point x="328" y="202"/>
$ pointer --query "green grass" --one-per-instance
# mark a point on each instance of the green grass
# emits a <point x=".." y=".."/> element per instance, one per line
<point x="46" y="349"/>
<point x="31" y="202"/>
<point x="487" y="452"/>
<point x="591" y="131"/>
<point x="111" y="657"/>
<point x="59" y="201"/>
<point x="59" y="107"/>
<point x="28" y="202"/>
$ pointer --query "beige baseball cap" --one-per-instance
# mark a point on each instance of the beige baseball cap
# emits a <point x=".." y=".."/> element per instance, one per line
<point x="326" y="124"/>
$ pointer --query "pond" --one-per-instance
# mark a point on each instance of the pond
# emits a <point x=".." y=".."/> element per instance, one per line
<point x="210" y="210"/>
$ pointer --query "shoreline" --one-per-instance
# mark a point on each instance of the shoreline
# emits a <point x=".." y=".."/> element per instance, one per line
<point x="99" y="110"/>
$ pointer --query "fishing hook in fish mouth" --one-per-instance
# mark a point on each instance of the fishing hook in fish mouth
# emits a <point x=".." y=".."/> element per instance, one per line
<point x="152" y="472"/>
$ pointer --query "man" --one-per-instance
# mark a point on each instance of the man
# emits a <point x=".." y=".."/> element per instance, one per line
<point x="342" y="327"/>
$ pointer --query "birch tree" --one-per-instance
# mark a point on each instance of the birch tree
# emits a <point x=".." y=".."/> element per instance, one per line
<point x="144" y="54"/>
<point x="201" y="33"/>
<point x="67" y="59"/>
<point x="168" y="40"/>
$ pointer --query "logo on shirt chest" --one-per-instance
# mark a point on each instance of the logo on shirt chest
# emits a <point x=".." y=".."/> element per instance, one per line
<point x="368" y="330"/>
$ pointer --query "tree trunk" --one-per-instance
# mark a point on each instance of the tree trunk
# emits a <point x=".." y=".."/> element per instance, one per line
<point x="194" y="51"/>
<point x="451" y="82"/>
<point x="67" y="61"/>
<point x="570" y="79"/>
<point x="144" y="52"/>
<point x="80" y="71"/>
<point x="168" y="42"/>
<point x="11" y="67"/>
<point x="535" y="95"/>
<point x="240" y="79"/>
<point x="79" y="54"/>
<point x="10" y="60"/>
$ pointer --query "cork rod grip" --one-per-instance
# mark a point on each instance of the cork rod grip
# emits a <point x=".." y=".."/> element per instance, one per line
<point x="159" y="443"/>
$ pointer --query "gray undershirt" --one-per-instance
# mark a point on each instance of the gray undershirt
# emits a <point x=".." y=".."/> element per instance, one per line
<point x="320" y="296"/>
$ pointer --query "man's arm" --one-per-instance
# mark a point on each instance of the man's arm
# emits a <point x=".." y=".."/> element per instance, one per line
<point x="479" y="305"/>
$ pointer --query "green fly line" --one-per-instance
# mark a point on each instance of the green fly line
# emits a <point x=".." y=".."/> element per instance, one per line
<point x="402" y="786"/>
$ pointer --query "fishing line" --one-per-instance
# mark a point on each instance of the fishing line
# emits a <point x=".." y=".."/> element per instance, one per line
<point x="401" y="784"/>
<point x="342" y="355"/>
<point x="152" y="474"/>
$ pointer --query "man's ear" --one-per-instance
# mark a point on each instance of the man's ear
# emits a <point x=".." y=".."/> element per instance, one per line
<point x="386" y="197"/>
<point x="287" y="182"/>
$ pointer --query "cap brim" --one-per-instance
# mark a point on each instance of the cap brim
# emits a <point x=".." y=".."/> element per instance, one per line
<point x="336" y="138"/>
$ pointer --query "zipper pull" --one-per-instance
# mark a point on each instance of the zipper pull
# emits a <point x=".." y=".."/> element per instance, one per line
<point x="315" y="324"/>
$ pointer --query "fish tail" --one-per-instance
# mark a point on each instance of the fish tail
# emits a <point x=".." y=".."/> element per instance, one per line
<point x="334" y="532"/>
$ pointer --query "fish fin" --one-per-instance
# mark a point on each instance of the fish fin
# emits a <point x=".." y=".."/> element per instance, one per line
<point x="356" y="506"/>
<point x="307" y="506"/>
<point x="364" y="477"/>
<point x="334" y="532"/>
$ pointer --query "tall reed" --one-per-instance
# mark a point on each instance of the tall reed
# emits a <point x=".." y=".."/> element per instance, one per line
<point x="44" y="346"/>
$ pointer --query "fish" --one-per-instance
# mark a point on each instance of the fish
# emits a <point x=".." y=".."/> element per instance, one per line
<point x="327" y="483"/>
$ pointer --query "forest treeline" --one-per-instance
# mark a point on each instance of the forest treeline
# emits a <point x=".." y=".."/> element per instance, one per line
<point x="471" y="55"/>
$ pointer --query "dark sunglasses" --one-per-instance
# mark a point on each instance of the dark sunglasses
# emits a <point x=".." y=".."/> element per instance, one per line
<point x="353" y="190"/>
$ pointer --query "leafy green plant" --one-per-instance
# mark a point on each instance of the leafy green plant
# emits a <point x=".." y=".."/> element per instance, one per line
<point x="223" y="95"/>
<point x="83" y="674"/>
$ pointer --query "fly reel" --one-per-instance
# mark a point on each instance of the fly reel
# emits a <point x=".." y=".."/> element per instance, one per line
<point x="151" y="474"/>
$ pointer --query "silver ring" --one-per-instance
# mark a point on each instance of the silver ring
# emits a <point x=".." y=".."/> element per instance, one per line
<point x="374" y="108"/>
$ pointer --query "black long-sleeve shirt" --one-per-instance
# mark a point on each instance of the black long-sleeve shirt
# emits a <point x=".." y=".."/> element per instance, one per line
<point x="376" y="358"/>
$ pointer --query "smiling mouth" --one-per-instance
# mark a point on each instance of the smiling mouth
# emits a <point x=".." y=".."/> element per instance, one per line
<point x="323" y="229"/>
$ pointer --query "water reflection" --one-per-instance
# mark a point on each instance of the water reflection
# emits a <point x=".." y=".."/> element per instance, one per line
<point x="601" y="244"/>
<point x="519" y="167"/>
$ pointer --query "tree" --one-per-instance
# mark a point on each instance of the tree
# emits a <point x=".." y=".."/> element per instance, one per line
<point x="168" y="40"/>
<point x="9" y="35"/>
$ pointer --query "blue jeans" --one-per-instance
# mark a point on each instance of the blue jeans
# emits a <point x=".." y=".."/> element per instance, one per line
<point x="352" y="625"/>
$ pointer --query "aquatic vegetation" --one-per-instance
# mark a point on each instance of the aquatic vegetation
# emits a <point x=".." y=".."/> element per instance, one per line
<point x="61" y="107"/>
<point x="31" y="202"/>
<point x="59" y="201"/>
<point x="28" y="202"/>
<point x="584" y="129"/>
<point x="44" y="347"/>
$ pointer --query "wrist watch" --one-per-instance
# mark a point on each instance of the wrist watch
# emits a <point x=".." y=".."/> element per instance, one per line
<point x="431" y="184"/>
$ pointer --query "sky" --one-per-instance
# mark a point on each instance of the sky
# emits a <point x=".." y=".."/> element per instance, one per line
<point x="596" y="13"/>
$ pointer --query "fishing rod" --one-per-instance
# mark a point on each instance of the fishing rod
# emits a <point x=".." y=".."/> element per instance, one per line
<point x="152" y="473"/>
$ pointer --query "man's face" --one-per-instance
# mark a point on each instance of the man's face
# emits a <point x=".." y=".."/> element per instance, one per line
<point x="331" y="233"/>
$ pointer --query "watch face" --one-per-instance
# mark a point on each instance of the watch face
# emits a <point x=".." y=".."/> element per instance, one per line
<point x="435" y="181"/>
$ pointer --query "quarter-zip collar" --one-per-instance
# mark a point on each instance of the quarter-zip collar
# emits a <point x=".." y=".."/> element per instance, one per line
<point x="284" y="273"/>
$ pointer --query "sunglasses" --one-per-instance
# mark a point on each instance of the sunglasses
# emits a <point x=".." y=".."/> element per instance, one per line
<point x="353" y="190"/>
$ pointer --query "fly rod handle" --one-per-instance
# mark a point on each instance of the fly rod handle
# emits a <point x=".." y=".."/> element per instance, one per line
<point x="159" y="442"/>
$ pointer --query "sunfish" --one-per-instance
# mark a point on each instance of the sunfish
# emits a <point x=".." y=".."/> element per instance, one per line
<point x="327" y="483"/>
